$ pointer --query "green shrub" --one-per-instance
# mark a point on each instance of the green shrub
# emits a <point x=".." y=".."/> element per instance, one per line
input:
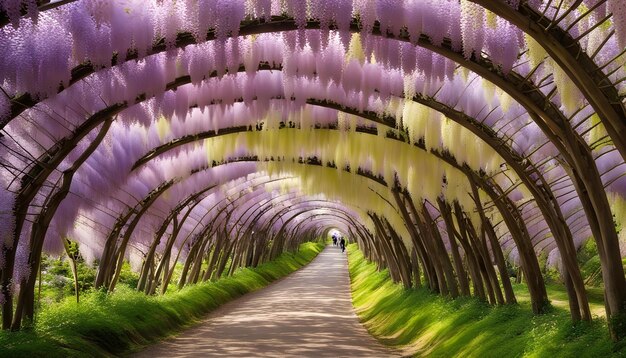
<point x="587" y="251"/>
<point x="592" y="272"/>
<point x="58" y="282"/>
<point x="128" y="277"/>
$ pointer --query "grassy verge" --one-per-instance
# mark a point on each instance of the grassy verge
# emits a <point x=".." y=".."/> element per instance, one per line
<point x="558" y="297"/>
<point x="105" y="325"/>
<point x="423" y="324"/>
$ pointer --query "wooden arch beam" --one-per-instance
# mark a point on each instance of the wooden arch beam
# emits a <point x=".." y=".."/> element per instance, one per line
<point x="575" y="62"/>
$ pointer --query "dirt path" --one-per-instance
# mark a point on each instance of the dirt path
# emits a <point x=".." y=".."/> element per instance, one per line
<point x="307" y="314"/>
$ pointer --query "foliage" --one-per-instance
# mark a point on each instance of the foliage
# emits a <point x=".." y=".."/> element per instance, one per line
<point x="110" y="324"/>
<point x="587" y="251"/>
<point x="589" y="262"/>
<point x="550" y="274"/>
<point x="423" y="324"/>
<point x="128" y="277"/>
<point x="57" y="280"/>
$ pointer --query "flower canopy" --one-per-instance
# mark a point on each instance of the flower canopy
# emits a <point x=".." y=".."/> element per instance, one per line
<point x="444" y="136"/>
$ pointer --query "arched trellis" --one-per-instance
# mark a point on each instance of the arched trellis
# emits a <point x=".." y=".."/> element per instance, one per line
<point x="548" y="205"/>
<point x="592" y="203"/>
<point x="147" y="268"/>
<point x="568" y="53"/>
<point x="512" y="217"/>
<point x="258" y="253"/>
<point x="195" y="253"/>
<point x="182" y="141"/>
<point x="223" y="211"/>
<point x="485" y="133"/>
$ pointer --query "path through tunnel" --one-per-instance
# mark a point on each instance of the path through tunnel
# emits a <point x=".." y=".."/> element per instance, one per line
<point x="307" y="314"/>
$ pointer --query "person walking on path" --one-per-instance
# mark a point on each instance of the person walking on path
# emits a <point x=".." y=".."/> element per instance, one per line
<point x="342" y="244"/>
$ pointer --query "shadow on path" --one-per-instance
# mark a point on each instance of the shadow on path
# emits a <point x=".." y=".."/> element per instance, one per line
<point x="309" y="313"/>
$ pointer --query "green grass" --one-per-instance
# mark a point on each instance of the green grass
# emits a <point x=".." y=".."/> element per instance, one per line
<point x="558" y="297"/>
<point x="113" y="324"/>
<point x="421" y="323"/>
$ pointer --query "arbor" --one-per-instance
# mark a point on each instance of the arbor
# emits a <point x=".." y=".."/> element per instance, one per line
<point x="136" y="131"/>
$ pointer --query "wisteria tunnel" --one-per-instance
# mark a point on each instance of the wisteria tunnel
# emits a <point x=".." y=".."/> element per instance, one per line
<point x="462" y="144"/>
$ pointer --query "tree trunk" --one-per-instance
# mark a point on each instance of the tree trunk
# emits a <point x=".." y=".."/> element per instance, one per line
<point x="441" y="252"/>
<point x="445" y="211"/>
<point x="500" y="262"/>
<point x="471" y="255"/>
